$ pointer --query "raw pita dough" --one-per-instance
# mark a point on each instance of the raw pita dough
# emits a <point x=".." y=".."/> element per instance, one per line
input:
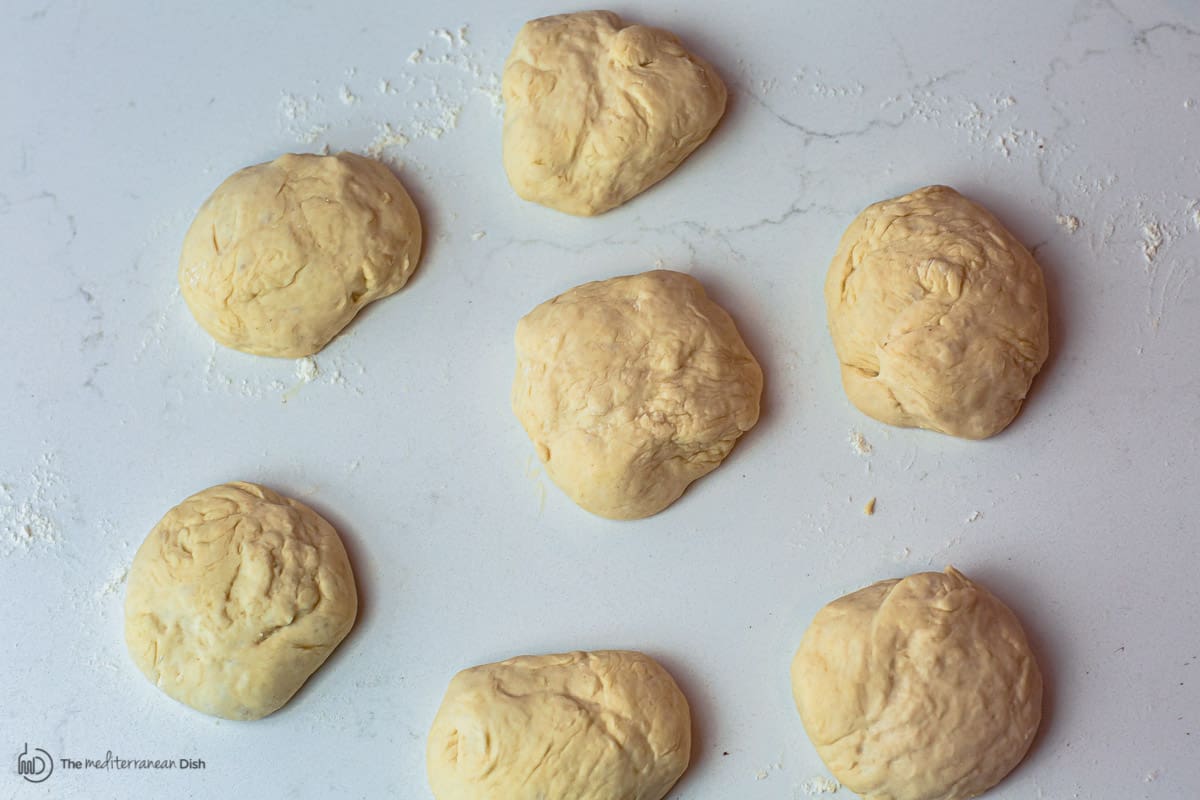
<point x="585" y="726"/>
<point x="918" y="689"/>
<point x="283" y="255"/>
<point x="597" y="111"/>
<point x="235" y="598"/>
<point x="938" y="314"/>
<point x="632" y="388"/>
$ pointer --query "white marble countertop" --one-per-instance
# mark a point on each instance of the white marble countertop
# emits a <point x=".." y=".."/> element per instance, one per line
<point x="1077" y="123"/>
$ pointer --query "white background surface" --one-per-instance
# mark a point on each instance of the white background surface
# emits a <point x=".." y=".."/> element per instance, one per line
<point x="118" y="120"/>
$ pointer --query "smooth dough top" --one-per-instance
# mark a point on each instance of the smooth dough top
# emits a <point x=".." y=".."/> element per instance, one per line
<point x="938" y="314"/>
<point x="595" y="111"/>
<point x="283" y="255"/>
<point x="604" y="725"/>
<point x="632" y="388"/>
<point x="235" y="598"/>
<point x="918" y="689"/>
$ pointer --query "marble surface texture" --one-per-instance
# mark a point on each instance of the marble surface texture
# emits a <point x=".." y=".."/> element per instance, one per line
<point x="1076" y="122"/>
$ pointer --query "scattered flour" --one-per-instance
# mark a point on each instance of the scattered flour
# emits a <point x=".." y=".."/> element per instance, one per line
<point x="859" y="444"/>
<point x="1017" y="138"/>
<point x="330" y="371"/>
<point x="114" y="583"/>
<point x="820" y="785"/>
<point x="306" y="369"/>
<point x="29" y="507"/>
<point x="294" y="112"/>
<point x="975" y="516"/>
<point x="441" y="78"/>
<point x="477" y="235"/>
<point x="1068" y="221"/>
<point x="387" y="138"/>
<point x="158" y="325"/>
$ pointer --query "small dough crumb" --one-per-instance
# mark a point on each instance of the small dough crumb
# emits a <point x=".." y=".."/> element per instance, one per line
<point x="1068" y="221"/>
<point x="869" y="508"/>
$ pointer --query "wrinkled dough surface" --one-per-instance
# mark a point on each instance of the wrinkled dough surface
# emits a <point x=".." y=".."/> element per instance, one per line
<point x="937" y="313"/>
<point x="632" y="388"/>
<point x="604" y="725"/>
<point x="918" y="689"/>
<point x="283" y="255"/>
<point x="235" y="598"/>
<point x="596" y="112"/>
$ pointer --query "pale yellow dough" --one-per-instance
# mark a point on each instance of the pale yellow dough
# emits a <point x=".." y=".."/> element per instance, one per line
<point x="604" y="725"/>
<point x="938" y="314"/>
<point x="632" y="388"/>
<point x="597" y="111"/>
<point x="235" y="598"/>
<point x="918" y="689"/>
<point x="283" y="255"/>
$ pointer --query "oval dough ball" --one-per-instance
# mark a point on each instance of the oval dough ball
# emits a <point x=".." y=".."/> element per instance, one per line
<point x="586" y="726"/>
<point x="632" y="388"/>
<point x="918" y="689"/>
<point x="235" y="598"/>
<point x="283" y="255"/>
<point x="596" y="112"/>
<point x="937" y="313"/>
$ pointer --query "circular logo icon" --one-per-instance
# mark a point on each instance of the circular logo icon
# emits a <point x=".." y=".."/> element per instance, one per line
<point x="36" y="765"/>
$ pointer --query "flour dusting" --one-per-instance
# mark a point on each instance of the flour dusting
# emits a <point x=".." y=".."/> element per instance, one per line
<point x="113" y="584"/>
<point x="425" y="101"/>
<point x="307" y="369"/>
<point x="819" y="784"/>
<point x="29" y="507"/>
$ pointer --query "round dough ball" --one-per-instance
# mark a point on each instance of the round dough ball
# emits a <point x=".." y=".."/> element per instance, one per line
<point x="586" y="726"/>
<point x="937" y="313"/>
<point x="596" y="112"/>
<point x="283" y="255"/>
<point x="918" y="689"/>
<point x="235" y="598"/>
<point x="632" y="388"/>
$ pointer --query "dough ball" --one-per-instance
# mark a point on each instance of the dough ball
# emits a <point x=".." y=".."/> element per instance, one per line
<point x="918" y="689"/>
<point x="586" y="726"/>
<point x="283" y="255"/>
<point x="632" y="388"/>
<point x="596" y="112"/>
<point x="937" y="313"/>
<point x="235" y="598"/>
